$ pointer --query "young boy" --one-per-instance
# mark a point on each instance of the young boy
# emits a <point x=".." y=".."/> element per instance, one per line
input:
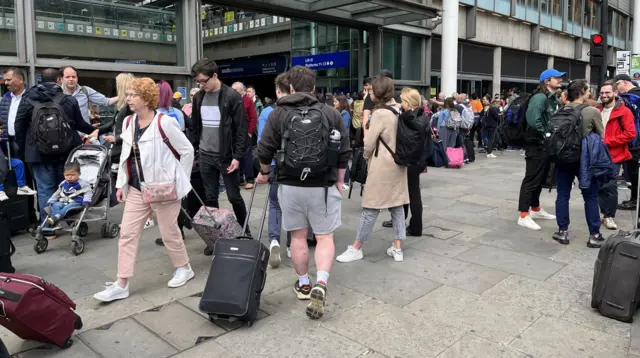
<point x="72" y="193"/>
<point x="18" y="167"/>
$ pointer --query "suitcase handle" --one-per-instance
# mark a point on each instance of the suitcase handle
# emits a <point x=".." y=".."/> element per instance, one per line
<point x="264" y="281"/>
<point x="216" y="225"/>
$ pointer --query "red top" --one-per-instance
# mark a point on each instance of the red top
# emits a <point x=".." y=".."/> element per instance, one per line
<point x="250" y="112"/>
<point x="620" y="130"/>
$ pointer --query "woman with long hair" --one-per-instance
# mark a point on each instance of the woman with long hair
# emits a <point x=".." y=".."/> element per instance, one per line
<point x="165" y="103"/>
<point x="341" y="105"/>
<point x="447" y="129"/>
<point x="386" y="181"/>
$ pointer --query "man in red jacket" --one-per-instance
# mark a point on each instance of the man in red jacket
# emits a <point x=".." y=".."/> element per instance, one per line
<point x="246" y="167"/>
<point x="619" y="130"/>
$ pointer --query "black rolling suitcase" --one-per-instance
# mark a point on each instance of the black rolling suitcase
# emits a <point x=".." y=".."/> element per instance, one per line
<point x="616" y="278"/>
<point x="237" y="276"/>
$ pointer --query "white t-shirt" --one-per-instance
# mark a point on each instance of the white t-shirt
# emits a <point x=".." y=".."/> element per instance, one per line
<point x="606" y="113"/>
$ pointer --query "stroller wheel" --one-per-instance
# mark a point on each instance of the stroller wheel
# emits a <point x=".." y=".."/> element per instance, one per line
<point x="78" y="247"/>
<point x="104" y="230"/>
<point x="41" y="246"/>
<point x="114" y="231"/>
<point x="83" y="229"/>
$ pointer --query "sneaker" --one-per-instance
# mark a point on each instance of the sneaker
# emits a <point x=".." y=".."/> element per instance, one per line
<point x="562" y="237"/>
<point x="528" y="222"/>
<point x="222" y="190"/>
<point x="302" y="292"/>
<point x="25" y="190"/>
<point x="492" y="156"/>
<point x="595" y="242"/>
<point x="345" y="187"/>
<point x="395" y="253"/>
<point x="288" y="252"/>
<point x="387" y="223"/>
<point x="3" y="196"/>
<point x="180" y="277"/>
<point x="112" y="291"/>
<point x="541" y="214"/>
<point x="51" y="220"/>
<point x="627" y="205"/>
<point x="208" y="251"/>
<point x="248" y="186"/>
<point x="149" y="224"/>
<point x="315" y="308"/>
<point x="274" y="257"/>
<point x="610" y="224"/>
<point x="352" y="254"/>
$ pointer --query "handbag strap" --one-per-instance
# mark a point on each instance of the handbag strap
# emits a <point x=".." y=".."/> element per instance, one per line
<point x="165" y="139"/>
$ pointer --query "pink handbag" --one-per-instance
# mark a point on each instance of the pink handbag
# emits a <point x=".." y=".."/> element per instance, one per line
<point x="456" y="157"/>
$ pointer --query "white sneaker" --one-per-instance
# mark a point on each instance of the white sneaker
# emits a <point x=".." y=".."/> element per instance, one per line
<point x="149" y="223"/>
<point x="3" y="196"/>
<point x="491" y="156"/>
<point x="274" y="254"/>
<point x="112" y="291"/>
<point x="345" y="187"/>
<point x="25" y="190"/>
<point x="352" y="254"/>
<point x="180" y="277"/>
<point x="610" y="224"/>
<point x="288" y="252"/>
<point x="541" y="215"/>
<point x="395" y="253"/>
<point x="528" y="222"/>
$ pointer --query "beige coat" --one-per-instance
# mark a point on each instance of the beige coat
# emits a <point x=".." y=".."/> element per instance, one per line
<point x="386" y="181"/>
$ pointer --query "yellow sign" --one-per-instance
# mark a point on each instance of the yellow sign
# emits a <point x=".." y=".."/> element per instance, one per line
<point x="229" y="16"/>
<point x="433" y="91"/>
<point x="123" y="33"/>
<point x="98" y="30"/>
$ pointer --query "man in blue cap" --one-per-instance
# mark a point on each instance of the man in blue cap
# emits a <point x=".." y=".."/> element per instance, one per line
<point x="541" y="106"/>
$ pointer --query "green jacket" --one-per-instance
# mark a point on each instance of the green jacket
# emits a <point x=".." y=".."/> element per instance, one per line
<point x="540" y="108"/>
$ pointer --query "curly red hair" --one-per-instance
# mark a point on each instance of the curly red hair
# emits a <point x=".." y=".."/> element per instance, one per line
<point x="148" y="91"/>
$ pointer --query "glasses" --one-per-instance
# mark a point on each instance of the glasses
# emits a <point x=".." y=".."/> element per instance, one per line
<point x="130" y="95"/>
<point x="203" y="82"/>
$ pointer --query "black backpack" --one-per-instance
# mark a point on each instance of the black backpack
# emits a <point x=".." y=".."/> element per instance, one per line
<point x="304" y="150"/>
<point x="50" y="128"/>
<point x="515" y="121"/>
<point x="564" y="137"/>
<point x="411" y="138"/>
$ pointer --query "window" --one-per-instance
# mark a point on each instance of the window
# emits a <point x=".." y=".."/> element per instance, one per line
<point x="402" y="54"/>
<point x="8" y="8"/>
<point x="590" y="22"/>
<point x="574" y="18"/>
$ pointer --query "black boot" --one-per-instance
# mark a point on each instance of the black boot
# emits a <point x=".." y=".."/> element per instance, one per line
<point x="387" y="223"/>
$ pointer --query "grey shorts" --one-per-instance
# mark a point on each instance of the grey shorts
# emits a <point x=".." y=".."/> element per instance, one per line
<point x="305" y="207"/>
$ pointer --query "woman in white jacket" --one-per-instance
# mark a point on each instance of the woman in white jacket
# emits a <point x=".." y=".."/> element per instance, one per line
<point x="147" y="159"/>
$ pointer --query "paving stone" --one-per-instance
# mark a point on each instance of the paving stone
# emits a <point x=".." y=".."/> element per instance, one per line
<point x="126" y="338"/>
<point x="393" y="331"/>
<point x="178" y="325"/>
<point x="386" y="283"/>
<point x="576" y="276"/>
<point x="552" y="337"/>
<point x="493" y="320"/>
<point x="514" y="262"/>
<point x="472" y="346"/>
<point x="432" y="204"/>
<point x="634" y="342"/>
<point x="467" y="231"/>
<point x="192" y="303"/>
<point x="582" y="314"/>
<point x="450" y="248"/>
<point x="448" y="271"/>
<point x="283" y="336"/>
<point x="208" y="348"/>
<point x="534" y="295"/>
<point x="576" y="254"/>
<point x="527" y="245"/>
<point x="439" y="232"/>
<point x="77" y="350"/>
<point x="339" y="299"/>
<point x="482" y="200"/>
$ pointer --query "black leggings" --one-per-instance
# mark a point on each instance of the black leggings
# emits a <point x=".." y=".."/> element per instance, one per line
<point x="415" y="199"/>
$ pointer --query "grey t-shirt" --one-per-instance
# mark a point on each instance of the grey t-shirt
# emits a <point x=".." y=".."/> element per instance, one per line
<point x="210" y="114"/>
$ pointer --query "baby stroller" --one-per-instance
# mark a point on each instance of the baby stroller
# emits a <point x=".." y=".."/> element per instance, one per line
<point x="95" y="167"/>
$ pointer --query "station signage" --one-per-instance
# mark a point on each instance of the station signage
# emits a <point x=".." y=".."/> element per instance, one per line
<point x="265" y="65"/>
<point x="323" y="61"/>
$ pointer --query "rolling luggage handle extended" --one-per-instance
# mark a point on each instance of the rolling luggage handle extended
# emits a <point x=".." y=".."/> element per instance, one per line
<point x="264" y="214"/>
<point x="8" y="142"/>
<point x="216" y="225"/>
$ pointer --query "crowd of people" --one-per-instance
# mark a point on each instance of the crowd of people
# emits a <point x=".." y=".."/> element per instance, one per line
<point x="302" y="145"/>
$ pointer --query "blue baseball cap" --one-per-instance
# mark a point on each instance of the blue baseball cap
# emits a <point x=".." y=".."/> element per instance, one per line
<point x="552" y="72"/>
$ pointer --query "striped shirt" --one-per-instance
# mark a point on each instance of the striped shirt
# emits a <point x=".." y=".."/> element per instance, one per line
<point x="210" y="114"/>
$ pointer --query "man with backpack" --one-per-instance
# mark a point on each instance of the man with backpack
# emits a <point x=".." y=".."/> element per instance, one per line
<point x="310" y="163"/>
<point x="630" y="95"/>
<point x="46" y="126"/>
<point x="539" y="108"/>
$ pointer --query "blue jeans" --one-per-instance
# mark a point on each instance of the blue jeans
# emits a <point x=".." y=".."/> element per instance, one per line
<point x="60" y="210"/>
<point x="608" y="195"/>
<point x="18" y="167"/>
<point x="47" y="177"/>
<point x="565" y="174"/>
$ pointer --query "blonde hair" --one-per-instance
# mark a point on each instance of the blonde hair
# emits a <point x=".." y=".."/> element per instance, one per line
<point x="148" y="91"/>
<point x="411" y="98"/>
<point x="123" y="81"/>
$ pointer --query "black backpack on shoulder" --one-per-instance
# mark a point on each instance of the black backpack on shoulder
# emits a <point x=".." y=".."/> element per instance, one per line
<point x="564" y="137"/>
<point x="411" y="138"/>
<point x="515" y="121"/>
<point x="50" y="128"/>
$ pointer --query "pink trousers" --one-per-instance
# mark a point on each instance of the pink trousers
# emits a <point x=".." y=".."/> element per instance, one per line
<point x="134" y="217"/>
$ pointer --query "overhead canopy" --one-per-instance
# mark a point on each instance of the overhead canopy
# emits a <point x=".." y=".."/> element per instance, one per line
<point x="352" y="13"/>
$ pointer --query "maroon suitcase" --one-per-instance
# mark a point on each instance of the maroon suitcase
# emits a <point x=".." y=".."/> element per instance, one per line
<point x="36" y="310"/>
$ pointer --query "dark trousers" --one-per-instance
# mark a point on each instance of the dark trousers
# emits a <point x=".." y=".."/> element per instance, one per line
<point x="632" y="171"/>
<point x="246" y="167"/>
<point x="415" y="199"/>
<point x="47" y="177"/>
<point x="608" y="196"/>
<point x="537" y="167"/>
<point x="491" y="136"/>
<point x="210" y="170"/>
<point x="476" y="133"/>
<point x="565" y="174"/>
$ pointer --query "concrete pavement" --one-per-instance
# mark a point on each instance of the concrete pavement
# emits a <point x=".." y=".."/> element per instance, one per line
<point x="475" y="285"/>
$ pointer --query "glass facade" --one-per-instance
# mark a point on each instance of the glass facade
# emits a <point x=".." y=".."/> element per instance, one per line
<point x="8" y="28"/>
<point x="400" y="54"/>
<point x="115" y="31"/>
<point x="219" y="21"/>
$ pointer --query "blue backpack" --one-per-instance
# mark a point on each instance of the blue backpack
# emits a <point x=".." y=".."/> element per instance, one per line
<point x="632" y="101"/>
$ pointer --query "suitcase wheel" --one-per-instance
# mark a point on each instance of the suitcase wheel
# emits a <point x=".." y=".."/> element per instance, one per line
<point x="78" y="324"/>
<point x="41" y="246"/>
<point x="78" y="247"/>
<point x="67" y="343"/>
<point x="249" y="323"/>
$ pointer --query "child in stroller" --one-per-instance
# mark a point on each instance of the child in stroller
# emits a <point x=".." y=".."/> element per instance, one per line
<point x="73" y="192"/>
